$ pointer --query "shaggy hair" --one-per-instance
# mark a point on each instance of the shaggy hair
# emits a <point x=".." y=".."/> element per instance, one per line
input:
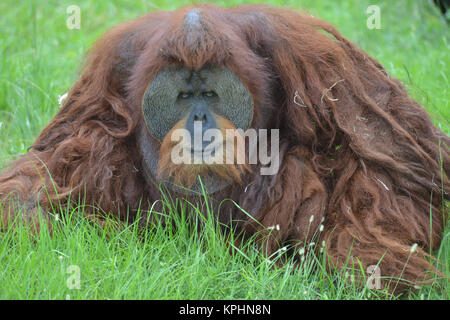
<point x="356" y="153"/>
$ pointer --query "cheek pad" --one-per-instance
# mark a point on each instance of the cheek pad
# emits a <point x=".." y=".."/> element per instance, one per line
<point x="236" y="103"/>
<point x="159" y="103"/>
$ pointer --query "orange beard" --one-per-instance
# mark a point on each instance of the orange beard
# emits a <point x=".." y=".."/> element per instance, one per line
<point x="185" y="174"/>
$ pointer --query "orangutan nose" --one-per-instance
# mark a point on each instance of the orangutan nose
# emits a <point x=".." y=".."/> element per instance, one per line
<point x="200" y="120"/>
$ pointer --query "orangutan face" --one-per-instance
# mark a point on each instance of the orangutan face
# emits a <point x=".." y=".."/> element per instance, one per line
<point x="195" y="115"/>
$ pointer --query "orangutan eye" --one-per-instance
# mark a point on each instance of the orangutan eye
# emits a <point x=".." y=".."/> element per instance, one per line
<point x="209" y="94"/>
<point x="185" y="95"/>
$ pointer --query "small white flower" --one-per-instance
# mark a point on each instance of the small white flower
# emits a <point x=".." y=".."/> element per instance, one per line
<point x="57" y="217"/>
<point x="311" y="219"/>
<point x="61" y="98"/>
<point x="323" y="243"/>
<point x="413" y="248"/>
<point x="312" y="244"/>
<point x="301" y="251"/>
<point x="321" y="228"/>
<point x="277" y="227"/>
<point x="284" y="249"/>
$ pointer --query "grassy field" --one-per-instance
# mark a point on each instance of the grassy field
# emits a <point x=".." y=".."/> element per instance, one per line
<point x="39" y="60"/>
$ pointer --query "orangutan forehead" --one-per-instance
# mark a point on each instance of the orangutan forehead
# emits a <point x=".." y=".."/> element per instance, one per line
<point x="215" y="76"/>
<point x="204" y="76"/>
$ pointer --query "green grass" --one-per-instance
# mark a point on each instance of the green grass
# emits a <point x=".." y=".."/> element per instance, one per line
<point x="39" y="59"/>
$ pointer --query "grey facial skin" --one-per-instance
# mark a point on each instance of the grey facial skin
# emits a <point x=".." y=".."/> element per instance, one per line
<point x="177" y="93"/>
